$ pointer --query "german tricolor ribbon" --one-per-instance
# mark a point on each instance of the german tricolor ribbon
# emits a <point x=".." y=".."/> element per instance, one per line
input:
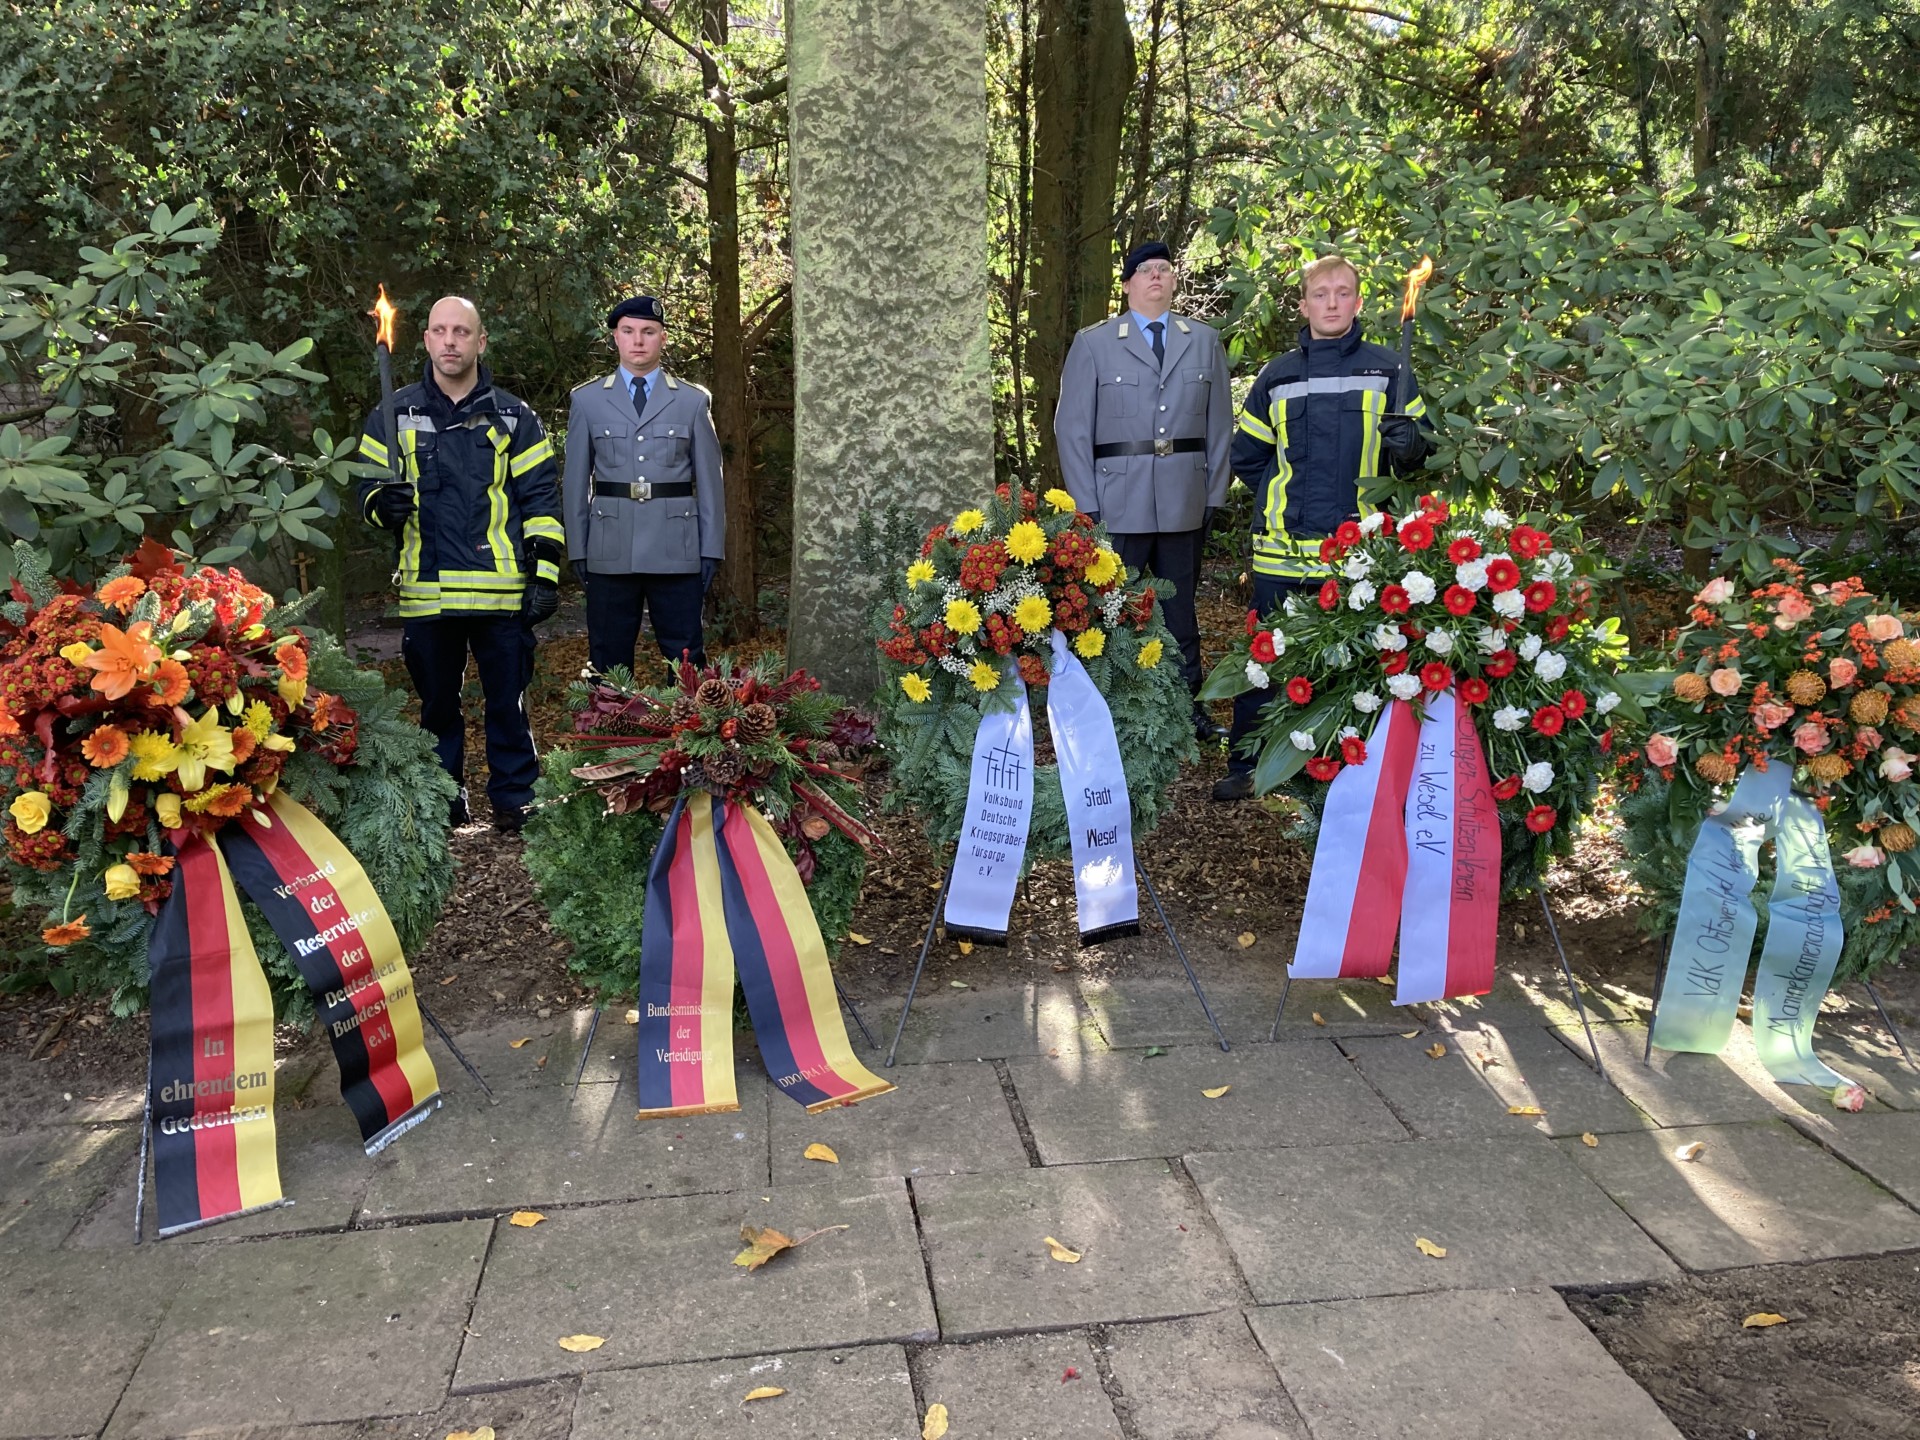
<point x="212" y="1080"/>
<point x="723" y="895"/>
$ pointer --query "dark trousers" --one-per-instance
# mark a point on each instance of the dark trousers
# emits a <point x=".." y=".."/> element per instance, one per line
<point x="436" y="652"/>
<point x="1174" y="558"/>
<point x="1268" y="593"/>
<point x="614" y="603"/>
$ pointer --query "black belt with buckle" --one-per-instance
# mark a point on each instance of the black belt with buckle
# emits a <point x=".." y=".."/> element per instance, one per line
<point x="1148" y="447"/>
<point x="641" y="489"/>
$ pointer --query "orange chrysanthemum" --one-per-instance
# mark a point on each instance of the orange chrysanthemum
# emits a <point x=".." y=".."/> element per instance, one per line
<point x="67" y="932"/>
<point x="105" y="747"/>
<point x="124" y="659"/>
<point x="292" y="660"/>
<point x="170" y="683"/>
<point x="122" y="594"/>
<point x="145" y="862"/>
<point x="322" y="710"/>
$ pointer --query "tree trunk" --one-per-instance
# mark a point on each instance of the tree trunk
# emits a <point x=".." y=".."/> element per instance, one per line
<point x="1083" y="71"/>
<point x="1709" y="86"/>
<point x="1019" y="278"/>
<point x="1141" y="211"/>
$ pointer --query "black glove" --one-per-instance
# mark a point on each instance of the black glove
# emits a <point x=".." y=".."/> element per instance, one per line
<point x="391" y="506"/>
<point x="1405" y="442"/>
<point x="709" y="567"/>
<point x="580" y="572"/>
<point x="542" y="598"/>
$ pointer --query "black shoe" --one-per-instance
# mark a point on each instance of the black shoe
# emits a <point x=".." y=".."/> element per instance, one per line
<point x="457" y="812"/>
<point x="510" y="819"/>
<point x="1206" y="729"/>
<point x="1234" y="785"/>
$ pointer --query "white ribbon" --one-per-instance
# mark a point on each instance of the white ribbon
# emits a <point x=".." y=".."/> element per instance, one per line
<point x="993" y="832"/>
<point x="1093" y="783"/>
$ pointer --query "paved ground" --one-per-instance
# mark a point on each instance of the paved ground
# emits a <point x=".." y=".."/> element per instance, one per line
<point x="1249" y="1266"/>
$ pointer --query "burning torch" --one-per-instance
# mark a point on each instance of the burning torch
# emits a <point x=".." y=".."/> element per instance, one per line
<point x="384" y="315"/>
<point x="1416" y="279"/>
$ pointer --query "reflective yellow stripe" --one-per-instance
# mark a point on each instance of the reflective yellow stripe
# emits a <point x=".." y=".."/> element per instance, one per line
<point x="484" y="579"/>
<point x="546" y="570"/>
<point x="497" y="507"/>
<point x="543" y="527"/>
<point x="373" y="450"/>
<point x="531" y="457"/>
<point x="410" y="542"/>
<point x="1372" y="403"/>
<point x="1416" y="407"/>
<point x="1257" y="429"/>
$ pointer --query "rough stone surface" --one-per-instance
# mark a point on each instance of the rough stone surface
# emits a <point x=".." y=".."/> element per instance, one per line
<point x="862" y="1393"/>
<point x="1333" y="1224"/>
<point x="943" y="1119"/>
<point x="535" y="1148"/>
<point x="1018" y="1388"/>
<point x="1756" y="1195"/>
<point x="990" y="1023"/>
<point x="50" y="1178"/>
<point x="556" y="1041"/>
<point x="313" y="1328"/>
<point x="1147" y="1249"/>
<point x="524" y="1412"/>
<point x="1129" y="1106"/>
<point x="35" y="1098"/>
<point x="1865" y="1052"/>
<point x="1680" y="1088"/>
<point x="1532" y="995"/>
<point x="658" y="1282"/>
<point x="888" y="111"/>
<point x="72" y="1329"/>
<point x="1137" y="1013"/>
<point x="1887" y="1147"/>
<point x="1200" y="1379"/>
<point x="1463" y="1366"/>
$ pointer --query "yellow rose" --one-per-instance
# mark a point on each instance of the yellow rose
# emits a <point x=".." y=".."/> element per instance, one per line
<point x="984" y="676"/>
<point x="292" y="691"/>
<point x="1033" y="614"/>
<point x="962" y="617"/>
<point x="167" y="807"/>
<point x="1026" y="542"/>
<point x="919" y="573"/>
<point x="31" y="810"/>
<point x="76" y="653"/>
<point x="1090" y="643"/>
<point x="968" y="521"/>
<point x="1149" y="654"/>
<point x="1103" y="567"/>
<point x="917" y="690"/>
<point x="122" y="882"/>
<point x="1061" y="501"/>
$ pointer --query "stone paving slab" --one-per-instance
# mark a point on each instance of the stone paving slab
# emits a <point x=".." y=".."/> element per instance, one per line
<point x="50" y="1179"/>
<point x="1530" y="995"/>
<point x="1130" y="1105"/>
<point x="1680" y="1088"/>
<point x="1199" y="1379"/>
<point x="1460" y="1094"/>
<point x="987" y="1023"/>
<point x="1148" y="1251"/>
<point x="324" y="1169"/>
<point x="1016" y="1388"/>
<point x="37" y="1096"/>
<point x="548" y="1146"/>
<point x="71" y="1331"/>
<point x="555" y="1040"/>
<point x="863" y="1393"/>
<point x="1886" y="1147"/>
<point x="1757" y="1195"/>
<point x="1137" y="1013"/>
<point x="1469" y="1365"/>
<point x="1334" y="1224"/>
<point x="656" y="1279"/>
<point x="308" y="1329"/>
<point x="943" y="1120"/>
<point x="524" y="1412"/>
<point x="1864" y="1052"/>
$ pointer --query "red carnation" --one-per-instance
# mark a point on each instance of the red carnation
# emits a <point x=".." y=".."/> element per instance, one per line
<point x="1506" y="789"/>
<point x="1527" y="542"/>
<point x="1574" y="703"/>
<point x="1394" y="600"/>
<point x="1458" y="600"/>
<point x="1606" y="742"/>
<point x="1417" y="534"/>
<point x="1502" y="574"/>
<point x="1299" y="690"/>
<point x="1394" y="662"/>
<point x="1436" y="675"/>
<point x="1353" y="750"/>
<point x="1436" y="509"/>
<point x="1473" y="690"/>
<point x="1323" y="767"/>
<point x="1464" y="549"/>
<point x="1542" y="818"/>
<point x="1500" y="664"/>
<point x="1329" y="550"/>
<point x="1549" y="719"/>
<point x="1557" y="629"/>
<point x="1541" y="595"/>
<point x="1329" y="595"/>
<point x="1386" y="524"/>
<point x="1348" y="534"/>
<point x="1263" y="650"/>
<point x="1253" y="621"/>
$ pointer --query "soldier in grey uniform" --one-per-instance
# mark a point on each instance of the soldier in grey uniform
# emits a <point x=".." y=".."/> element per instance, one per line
<point x="1144" y="431"/>
<point x="645" y="505"/>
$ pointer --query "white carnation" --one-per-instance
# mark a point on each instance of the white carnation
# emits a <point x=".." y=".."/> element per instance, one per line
<point x="1359" y="565"/>
<point x="1509" y="604"/>
<point x="1366" y="702"/>
<point x="1439" y="642"/>
<point x="1529" y="647"/>
<point x="1404" y="687"/>
<point x="1291" y="605"/>
<point x="1606" y="702"/>
<point x="1279" y="642"/>
<point x="1361" y="595"/>
<point x="1302" y="739"/>
<point x="1561" y="564"/>
<point x="1490" y="641"/>
<point x="1338" y="656"/>
<point x="1497" y="519"/>
<point x="1388" y="637"/>
<point x="1472" y="575"/>
<point x="1538" y="777"/>
<point x="1509" y="717"/>
<point x="1347" y="732"/>
<point x="1550" y="666"/>
<point x="1371" y="524"/>
<point x="1543" y="568"/>
<point x="1257" y="675"/>
<point x="1418" y="585"/>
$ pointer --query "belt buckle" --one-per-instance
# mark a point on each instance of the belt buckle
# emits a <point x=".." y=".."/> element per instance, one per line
<point x="1163" y="447"/>
<point x="641" y="489"/>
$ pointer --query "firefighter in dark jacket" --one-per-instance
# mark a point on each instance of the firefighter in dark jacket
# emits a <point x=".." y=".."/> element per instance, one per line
<point x="1316" y="424"/>
<point x="476" y="513"/>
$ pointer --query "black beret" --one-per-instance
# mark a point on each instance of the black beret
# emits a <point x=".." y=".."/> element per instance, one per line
<point x="640" y="307"/>
<point x="1140" y="254"/>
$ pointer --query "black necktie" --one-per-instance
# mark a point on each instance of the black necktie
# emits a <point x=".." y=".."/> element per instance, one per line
<point x="640" y="395"/>
<point x="1154" y="327"/>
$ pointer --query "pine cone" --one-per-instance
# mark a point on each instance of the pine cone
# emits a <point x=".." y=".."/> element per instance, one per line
<point x="825" y="751"/>
<point x="1869" y="707"/>
<point x="725" y="769"/>
<point x="684" y="710"/>
<point x="1690" y="687"/>
<point x="1900" y="655"/>
<point x="712" y="694"/>
<point x="1897" y="839"/>
<point x="1715" y="768"/>
<point x="757" y="723"/>
<point x="1828" y="768"/>
<point x="1805" y="688"/>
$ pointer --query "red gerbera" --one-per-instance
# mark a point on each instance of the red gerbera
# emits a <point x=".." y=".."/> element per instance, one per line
<point x="1394" y="662"/>
<point x="1464" y="549"/>
<point x="1549" y="719"/>
<point x="1436" y="509"/>
<point x="1473" y="690"/>
<point x="1436" y="675"/>
<point x="1348" y="534"/>
<point x="1329" y="595"/>
<point x="1500" y="664"/>
<point x="1323" y="767"/>
<point x="1542" y="818"/>
<point x="1527" y="542"/>
<point x="1299" y="690"/>
<point x="1353" y="750"/>
<point x="1417" y="534"/>
<point x="1329" y="550"/>
<point x="1574" y="703"/>
<point x="1394" y="600"/>
<point x="1458" y="600"/>
<point x="1263" y="650"/>
<point x="1502" y="574"/>
<point x="1541" y="595"/>
<point x="1506" y="789"/>
<point x="1253" y="620"/>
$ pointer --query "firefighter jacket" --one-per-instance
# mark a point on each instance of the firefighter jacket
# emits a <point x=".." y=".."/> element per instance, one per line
<point x="1309" y="434"/>
<point x="486" y="496"/>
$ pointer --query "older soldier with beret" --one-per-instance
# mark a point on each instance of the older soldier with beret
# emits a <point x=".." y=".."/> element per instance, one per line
<point x="1144" y="431"/>
<point x="644" y="501"/>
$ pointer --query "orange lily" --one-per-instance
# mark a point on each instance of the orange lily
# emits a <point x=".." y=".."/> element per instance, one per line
<point x="124" y="659"/>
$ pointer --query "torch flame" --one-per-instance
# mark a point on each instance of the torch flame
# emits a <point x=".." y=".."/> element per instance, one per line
<point x="384" y="313"/>
<point x="1416" y="279"/>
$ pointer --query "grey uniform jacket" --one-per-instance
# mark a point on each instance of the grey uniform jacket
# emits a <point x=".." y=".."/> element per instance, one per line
<point x="1113" y="391"/>
<point x="672" y="443"/>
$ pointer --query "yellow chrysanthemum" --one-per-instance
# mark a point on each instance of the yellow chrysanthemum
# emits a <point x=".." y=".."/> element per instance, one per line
<point x="204" y="745"/>
<point x="1149" y="654"/>
<point x="1061" y="501"/>
<point x="1103" y="567"/>
<point x="919" y="573"/>
<point x="1033" y="614"/>
<point x="1090" y="643"/>
<point x="260" y="719"/>
<point x="917" y="689"/>
<point x="154" y="755"/>
<point x="1026" y="542"/>
<point x="962" y="617"/>
<point x="984" y="676"/>
<point x="968" y="521"/>
<point x="122" y="882"/>
<point x="76" y="653"/>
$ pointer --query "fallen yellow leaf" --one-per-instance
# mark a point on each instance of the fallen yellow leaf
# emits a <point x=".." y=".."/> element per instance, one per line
<point x="817" y="1151"/>
<point x="633" y="1017"/>
<point x="1383" y="979"/>
<point x="1762" y="1321"/>
<point x="523" y="1040"/>
<point x="485" y="1432"/>
<point x="1690" y="1151"/>
<point x="1410" y="1034"/>
<point x="1590" y="1140"/>
<point x="1427" y="1247"/>
<point x="1246" y="938"/>
<point x="966" y="947"/>
<point x="1436" y="1050"/>
<point x="857" y="938"/>
<point x="764" y="1244"/>
<point x="1216" y="1092"/>
<point x="580" y="1344"/>
<point x="1061" y="1252"/>
<point x="448" y="980"/>
<point x="1318" y="1018"/>
<point x="1525" y="1110"/>
<point x="525" y="1219"/>
<point x="764" y="1392"/>
<point x="936" y="1422"/>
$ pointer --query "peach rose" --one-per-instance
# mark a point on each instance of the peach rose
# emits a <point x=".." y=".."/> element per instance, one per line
<point x="1661" y="750"/>
<point x="1851" y="1098"/>
<point x="1809" y="738"/>
<point x="1884" y="627"/>
<point x="1794" y="607"/>
<point x="1896" y="764"/>
<point x="1725" y="681"/>
<point x="1717" y="591"/>
<point x="1868" y="736"/>
<point x="1772" y="716"/>
<point x="1865" y="857"/>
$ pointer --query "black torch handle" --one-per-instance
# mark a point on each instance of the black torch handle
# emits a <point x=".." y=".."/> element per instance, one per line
<point x="387" y="420"/>
<point x="1403" y="382"/>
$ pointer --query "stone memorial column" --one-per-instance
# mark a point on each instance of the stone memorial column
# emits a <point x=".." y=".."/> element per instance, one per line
<point x="893" y="400"/>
